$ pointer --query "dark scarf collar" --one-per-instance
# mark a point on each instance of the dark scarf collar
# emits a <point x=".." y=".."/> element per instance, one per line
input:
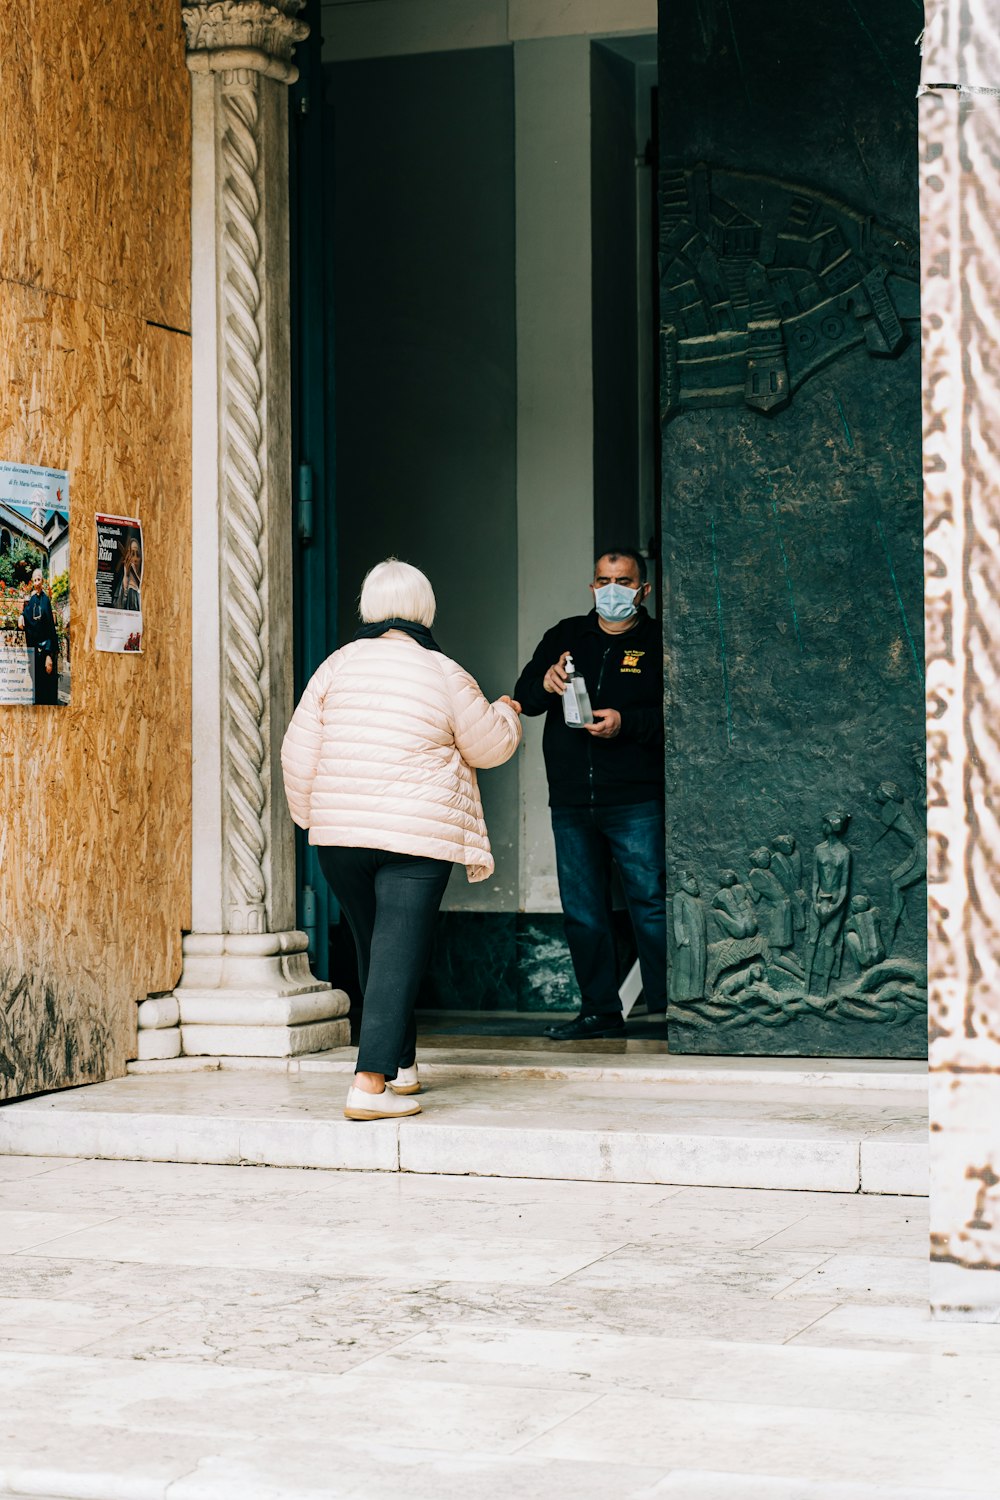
<point x="420" y="633"/>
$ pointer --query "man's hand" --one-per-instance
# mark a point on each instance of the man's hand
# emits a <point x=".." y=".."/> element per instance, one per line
<point x="510" y="702"/>
<point x="607" y="724"/>
<point x="555" y="679"/>
<point x="48" y="664"/>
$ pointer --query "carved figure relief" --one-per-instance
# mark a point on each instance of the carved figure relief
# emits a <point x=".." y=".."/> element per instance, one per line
<point x="774" y="954"/>
<point x="862" y="933"/>
<point x="732" y="907"/>
<point x="690" y="933"/>
<point x="763" y="283"/>
<point x="786" y="862"/>
<point x="831" y="879"/>
<point x="899" y="816"/>
<point x="774" y="904"/>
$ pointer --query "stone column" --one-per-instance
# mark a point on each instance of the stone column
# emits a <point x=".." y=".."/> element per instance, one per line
<point x="960" y="253"/>
<point x="246" y="987"/>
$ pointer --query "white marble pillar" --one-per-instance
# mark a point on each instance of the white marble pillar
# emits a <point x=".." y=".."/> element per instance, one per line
<point x="246" y="988"/>
<point x="960" y="253"/>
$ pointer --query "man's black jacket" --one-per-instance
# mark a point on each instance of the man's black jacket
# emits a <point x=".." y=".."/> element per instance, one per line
<point x="623" y="672"/>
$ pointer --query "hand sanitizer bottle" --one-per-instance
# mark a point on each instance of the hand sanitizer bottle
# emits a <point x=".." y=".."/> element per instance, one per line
<point x="576" y="700"/>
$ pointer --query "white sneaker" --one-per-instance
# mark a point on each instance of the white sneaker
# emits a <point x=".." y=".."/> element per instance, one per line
<point x="384" y="1106"/>
<point x="405" y="1081"/>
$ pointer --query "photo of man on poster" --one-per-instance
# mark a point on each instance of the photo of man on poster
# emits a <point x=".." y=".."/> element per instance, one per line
<point x="39" y="626"/>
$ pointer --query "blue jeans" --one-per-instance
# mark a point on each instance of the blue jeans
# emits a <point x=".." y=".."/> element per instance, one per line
<point x="587" y="840"/>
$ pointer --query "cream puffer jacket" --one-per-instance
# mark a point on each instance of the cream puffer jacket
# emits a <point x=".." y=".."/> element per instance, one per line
<point x="381" y="751"/>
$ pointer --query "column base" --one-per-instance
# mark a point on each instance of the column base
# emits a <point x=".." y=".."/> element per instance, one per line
<point x="156" y="1046"/>
<point x="253" y="995"/>
<point x="265" y="1041"/>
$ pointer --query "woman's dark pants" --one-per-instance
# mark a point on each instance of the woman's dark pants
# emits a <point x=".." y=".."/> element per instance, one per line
<point x="390" y="902"/>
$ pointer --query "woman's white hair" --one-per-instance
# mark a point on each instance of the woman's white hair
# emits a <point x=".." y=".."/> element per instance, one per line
<point x="395" y="590"/>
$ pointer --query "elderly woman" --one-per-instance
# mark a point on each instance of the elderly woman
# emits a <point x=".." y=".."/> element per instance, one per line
<point x="380" y="765"/>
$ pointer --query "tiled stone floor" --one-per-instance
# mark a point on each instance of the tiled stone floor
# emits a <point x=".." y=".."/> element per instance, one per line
<point x="249" y="1333"/>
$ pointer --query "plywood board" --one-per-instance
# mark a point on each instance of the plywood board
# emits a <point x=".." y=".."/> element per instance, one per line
<point x="95" y="836"/>
<point x="95" y="153"/>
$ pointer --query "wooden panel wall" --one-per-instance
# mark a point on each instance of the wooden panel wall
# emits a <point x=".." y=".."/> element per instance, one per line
<point x="94" y="327"/>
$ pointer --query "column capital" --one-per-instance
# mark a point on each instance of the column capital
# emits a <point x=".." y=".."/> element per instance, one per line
<point x="257" y="36"/>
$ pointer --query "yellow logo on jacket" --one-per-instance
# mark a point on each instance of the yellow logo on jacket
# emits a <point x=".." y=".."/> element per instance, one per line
<point x="630" y="661"/>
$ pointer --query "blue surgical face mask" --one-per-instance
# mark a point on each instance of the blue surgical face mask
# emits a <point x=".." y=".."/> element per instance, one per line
<point x="615" y="602"/>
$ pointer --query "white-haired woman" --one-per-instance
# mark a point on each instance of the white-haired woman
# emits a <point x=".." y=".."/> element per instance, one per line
<point x="380" y="765"/>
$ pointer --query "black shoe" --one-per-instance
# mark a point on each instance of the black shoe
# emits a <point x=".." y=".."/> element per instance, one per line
<point x="586" y="1029"/>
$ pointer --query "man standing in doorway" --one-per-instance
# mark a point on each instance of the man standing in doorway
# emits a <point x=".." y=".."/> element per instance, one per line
<point x="606" y="787"/>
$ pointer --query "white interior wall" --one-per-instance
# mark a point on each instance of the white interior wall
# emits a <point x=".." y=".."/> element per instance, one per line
<point x="555" y="437"/>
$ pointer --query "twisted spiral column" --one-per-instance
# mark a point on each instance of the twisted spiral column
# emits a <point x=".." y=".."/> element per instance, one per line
<point x="245" y="667"/>
<point x="246" y="989"/>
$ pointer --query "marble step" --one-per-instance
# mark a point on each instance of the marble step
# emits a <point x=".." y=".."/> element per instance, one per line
<point x="746" y="1134"/>
<point x="629" y="1062"/>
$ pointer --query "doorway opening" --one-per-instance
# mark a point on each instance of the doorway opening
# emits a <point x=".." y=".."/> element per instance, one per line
<point x="562" y="302"/>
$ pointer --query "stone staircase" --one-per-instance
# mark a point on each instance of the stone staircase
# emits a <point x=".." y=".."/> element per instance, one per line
<point x="614" y="1113"/>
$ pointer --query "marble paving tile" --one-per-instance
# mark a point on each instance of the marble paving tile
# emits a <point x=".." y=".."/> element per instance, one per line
<point x="699" y="1269"/>
<point x="593" y="1224"/>
<point x="113" y="1464"/>
<point x="49" y="1194"/>
<point x="258" y="1338"/>
<point x="12" y="1168"/>
<point x="782" y="1112"/>
<point x="715" y="1371"/>
<point x="730" y="1200"/>
<point x="847" y="1232"/>
<point x="195" y="1180"/>
<point x="866" y="1326"/>
<point x="764" y="1439"/>
<point x="246" y="1243"/>
<point x="343" y="1211"/>
<point x="92" y="1462"/>
<point x="324" y="1472"/>
<point x="884" y="1279"/>
<point x="163" y="1397"/>
<point x="686" y="1484"/>
<point x="469" y="1187"/>
<point x="39" y="1324"/>
<point x="21" y="1229"/>
<point x="739" y="1229"/>
<point x="341" y="1200"/>
<point x="224" y="1299"/>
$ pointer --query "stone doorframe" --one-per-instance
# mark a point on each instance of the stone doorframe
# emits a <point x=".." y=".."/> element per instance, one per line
<point x="960" y="264"/>
<point x="246" y="987"/>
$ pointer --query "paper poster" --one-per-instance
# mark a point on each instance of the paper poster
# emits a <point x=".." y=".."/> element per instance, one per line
<point x="119" y="583"/>
<point x="34" y="585"/>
